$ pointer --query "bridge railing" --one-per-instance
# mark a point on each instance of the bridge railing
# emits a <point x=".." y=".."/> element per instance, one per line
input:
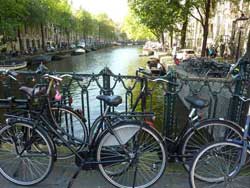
<point x="159" y="98"/>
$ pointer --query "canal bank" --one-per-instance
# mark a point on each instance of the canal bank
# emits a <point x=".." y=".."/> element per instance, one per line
<point x="56" y="55"/>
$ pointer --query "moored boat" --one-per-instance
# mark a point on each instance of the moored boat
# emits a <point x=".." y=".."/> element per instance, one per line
<point x="79" y="51"/>
<point x="41" y="58"/>
<point x="155" y="67"/>
<point x="12" y="64"/>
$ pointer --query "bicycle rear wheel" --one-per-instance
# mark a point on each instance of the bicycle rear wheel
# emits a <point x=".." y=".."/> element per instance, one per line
<point x="207" y="132"/>
<point x="137" y="160"/>
<point x="218" y="165"/>
<point x="72" y="128"/>
<point x="20" y="161"/>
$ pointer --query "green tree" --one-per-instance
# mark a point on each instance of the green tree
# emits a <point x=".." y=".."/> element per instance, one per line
<point x="184" y="17"/>
<point x="201" y="11"/>
<point x="85" y="24"/>
<point x="135" y="30"/>
<point x="106" y="27"/>
<point x="63" y="18"/>
<point x="159" y="16"/>
<point x="12" y="13"/>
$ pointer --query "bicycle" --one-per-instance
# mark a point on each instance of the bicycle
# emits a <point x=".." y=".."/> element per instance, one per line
<point x="197" y="132"/>
<point x="39" y="101"/>
<point x="124" y="152"/>
<point x="225" y="163"/>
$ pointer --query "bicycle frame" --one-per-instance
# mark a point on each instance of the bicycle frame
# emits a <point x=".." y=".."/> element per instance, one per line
<point x="191" y="124"/>
<point x="245" y="142"/>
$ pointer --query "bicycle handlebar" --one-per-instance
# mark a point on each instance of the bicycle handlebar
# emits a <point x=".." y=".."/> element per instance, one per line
<point x="143" y="71"/>
<point x="12" y="74"/>
<point x="242" y="98"/>
<point x="53" y="77"/>
<point x="60" y="78"/>
<point x="164" y="80"/>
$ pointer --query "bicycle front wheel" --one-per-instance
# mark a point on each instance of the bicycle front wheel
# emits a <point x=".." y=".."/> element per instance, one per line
<point x="218" y="164"/>
<point x="20" y="161"/>
<point x="131" y="155"/>
<point x="207" y="132"/>
<point x="73" y="130"/>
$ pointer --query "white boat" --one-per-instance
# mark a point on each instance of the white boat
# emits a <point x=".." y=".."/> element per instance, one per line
<point x="79" y="50"/>
<point x="12" y="65"/>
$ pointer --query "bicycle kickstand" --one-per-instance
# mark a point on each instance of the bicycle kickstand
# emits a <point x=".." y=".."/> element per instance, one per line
<point x="74" y="177"/>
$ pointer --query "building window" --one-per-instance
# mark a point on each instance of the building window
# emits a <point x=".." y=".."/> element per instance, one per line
<point x="33" y="43"/>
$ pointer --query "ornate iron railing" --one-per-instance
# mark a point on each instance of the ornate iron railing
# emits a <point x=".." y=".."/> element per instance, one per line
<point x="156" y="97"/>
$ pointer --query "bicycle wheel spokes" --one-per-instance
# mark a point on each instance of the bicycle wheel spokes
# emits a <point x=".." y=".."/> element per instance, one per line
<point x="72" y="129"/>
<point x="205" y="134"/>
<point x="144" y="158"/>
<point x="217" y="166"/>
<point x="20" y="161"/>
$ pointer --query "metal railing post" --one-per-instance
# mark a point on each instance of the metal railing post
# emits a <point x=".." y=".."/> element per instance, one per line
<point x="106" y="73"/>
<point x="236" y="105"/>
<point x="169" y="107"/>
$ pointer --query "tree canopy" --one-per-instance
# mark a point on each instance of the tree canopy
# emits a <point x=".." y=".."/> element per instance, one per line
<point x="159" y="16"/>
<point x="38" y="13"/>
<point x="135" y="30"/>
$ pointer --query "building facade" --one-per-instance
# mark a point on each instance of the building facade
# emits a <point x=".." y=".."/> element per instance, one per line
<point x="221" y="27"/>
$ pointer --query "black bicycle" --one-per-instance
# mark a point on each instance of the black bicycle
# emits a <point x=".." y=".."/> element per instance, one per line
<point x="41" y="100"/>
<point x="128" y="152"/>
<point x="198" y="131"/>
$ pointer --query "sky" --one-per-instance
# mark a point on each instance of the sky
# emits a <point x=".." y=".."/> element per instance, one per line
<point x="115" y="9"/>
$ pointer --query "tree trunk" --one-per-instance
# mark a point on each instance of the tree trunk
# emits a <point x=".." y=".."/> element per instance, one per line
<point x="247" y="54"/>
<point x="20" y="39"/>
<point x="68" y="40"/>
<point x="163" y="41"/>
<point x="205" y="28"/>
<point x="42" y="33"/>
<point x="171" y="39"/>
<point x="183" y="32"/>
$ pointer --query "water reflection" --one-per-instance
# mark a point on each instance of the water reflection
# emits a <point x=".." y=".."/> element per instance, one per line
<point x="117" y="59"/>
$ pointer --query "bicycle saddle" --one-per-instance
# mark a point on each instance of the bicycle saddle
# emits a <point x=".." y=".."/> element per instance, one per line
<point x="114" y="100"/>
<point x="196" y="102"/>
<point x="32" y="92"/>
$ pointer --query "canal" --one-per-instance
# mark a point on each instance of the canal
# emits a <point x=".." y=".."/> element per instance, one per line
<point x="123" y="60"/>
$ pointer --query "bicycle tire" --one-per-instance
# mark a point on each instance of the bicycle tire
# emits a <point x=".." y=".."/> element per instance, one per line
<point x="204" y="134"/>
<point x="77" y="132"/>
<point x="219" y="162"/>
<point x="142" y="142"/>
<point x="23" y="157"/>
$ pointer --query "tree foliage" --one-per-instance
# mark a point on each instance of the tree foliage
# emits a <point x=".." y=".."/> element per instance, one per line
<point x="135" y="30"/>
<point x="12" y="12"/>
<point x="159" y="16"/>
<point x="16" y="14"/>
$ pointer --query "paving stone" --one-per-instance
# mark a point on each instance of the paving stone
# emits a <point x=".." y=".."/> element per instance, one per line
<point x="62" y="173"/>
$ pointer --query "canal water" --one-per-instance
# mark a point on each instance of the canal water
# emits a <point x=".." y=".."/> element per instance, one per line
<point x="120" y="60"/>
<point x="123" y="60"/>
